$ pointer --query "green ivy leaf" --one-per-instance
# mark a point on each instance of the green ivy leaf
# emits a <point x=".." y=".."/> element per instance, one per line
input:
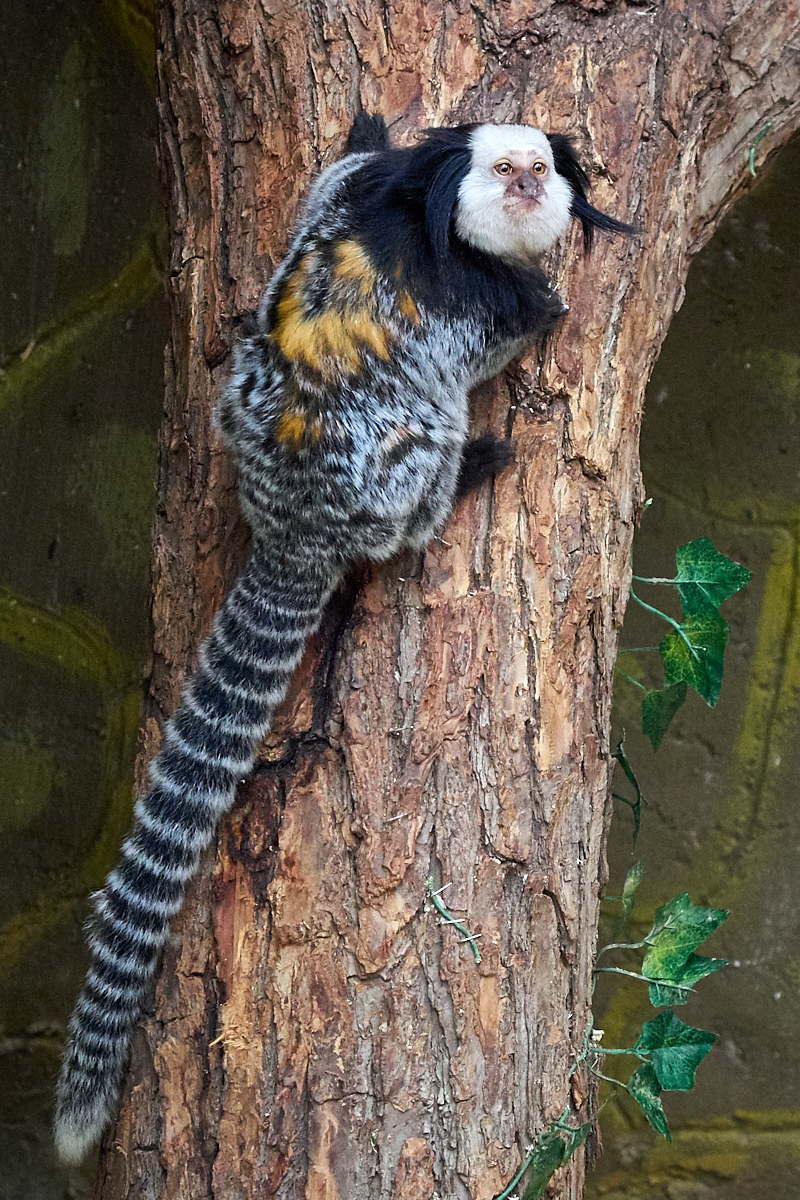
<point x="630" y="887"/>
<point x="627" y="899"/>
<point x="706" y="577"/>
<point x="547" y="1158"/>
<point x="643" y="1085"/>
<point x="678" y="989"/>
<point x="622" y="758"/>
<point x="676" y="1050"/>
<point x="636" y="808"/>
<point x="658" y="709"/>
<point x="700" y="663"/>
<point x="553" y="1148"/>
<point x="575" y="1138"/>
<point x="678" y="929"/>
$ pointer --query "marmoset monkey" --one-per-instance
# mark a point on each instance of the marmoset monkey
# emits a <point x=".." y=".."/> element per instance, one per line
<point x="411" y="277"/>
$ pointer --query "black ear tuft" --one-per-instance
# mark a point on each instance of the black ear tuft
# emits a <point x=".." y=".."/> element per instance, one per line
<point x="591" y="219"/>
<point x="416" y="188"/>
<point x="567" y="164"/>
<point x="368" y="135"/>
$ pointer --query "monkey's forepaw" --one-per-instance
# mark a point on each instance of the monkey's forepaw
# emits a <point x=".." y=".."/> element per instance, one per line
<point x="483" y="458"/>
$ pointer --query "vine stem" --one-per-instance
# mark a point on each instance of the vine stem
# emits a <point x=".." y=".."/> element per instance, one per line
<point x="510" y="1187"/>
<point x="440" y="908"/>
<point x="670" y="621"/>
<point x="751" y="158"/>
<point x="660" y="579"/>
<point x="620" y="971"/>
<point x="681" y="987"/>
<point x="608" y="1078"/>
<point x="630" y="679"/>
<point x="635" y="1053"/>
<point x="622" y="945"/>
<point x="673" y="582"/>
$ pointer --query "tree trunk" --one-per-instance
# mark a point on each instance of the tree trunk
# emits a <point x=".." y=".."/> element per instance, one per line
<point x="317" y="1031"/>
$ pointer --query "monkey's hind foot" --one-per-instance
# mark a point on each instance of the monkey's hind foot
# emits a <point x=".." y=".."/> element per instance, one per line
<point x="483" y="458"/>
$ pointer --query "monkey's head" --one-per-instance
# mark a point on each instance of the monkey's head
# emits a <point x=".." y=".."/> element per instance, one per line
<point x="507" y="190"/>
<point x="512" y="202"/>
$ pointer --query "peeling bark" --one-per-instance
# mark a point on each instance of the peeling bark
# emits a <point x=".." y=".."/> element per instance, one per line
<point x="316" y="1031"/>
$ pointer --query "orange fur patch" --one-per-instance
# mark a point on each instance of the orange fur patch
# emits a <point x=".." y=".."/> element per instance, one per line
<point x="331" y="341"/>
<point x="408" y="308"/>
<point x="352" y="263"/>
<point x="291" y="430"/>
<point x="294" y="431"/>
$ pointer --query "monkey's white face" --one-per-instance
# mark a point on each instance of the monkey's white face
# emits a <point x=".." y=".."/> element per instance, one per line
<point x="512" y="203"/>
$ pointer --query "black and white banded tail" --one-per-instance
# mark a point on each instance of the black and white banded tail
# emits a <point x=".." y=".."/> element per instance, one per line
<point x="244" y="668"/>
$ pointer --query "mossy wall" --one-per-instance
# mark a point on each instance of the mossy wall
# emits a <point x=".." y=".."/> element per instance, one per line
<point x="82" y="328"/>
<point x="721" y="458"/>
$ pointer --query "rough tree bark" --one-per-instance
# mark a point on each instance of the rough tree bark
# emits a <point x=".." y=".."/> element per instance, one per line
<point x="316" y="1032"/>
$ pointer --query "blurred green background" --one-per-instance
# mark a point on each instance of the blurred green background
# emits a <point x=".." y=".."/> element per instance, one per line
<point x="83" y="323"/>
<point x="721" y="459"/>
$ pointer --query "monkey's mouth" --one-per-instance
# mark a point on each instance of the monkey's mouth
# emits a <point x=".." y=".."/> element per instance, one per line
<point x="522" y="204"/>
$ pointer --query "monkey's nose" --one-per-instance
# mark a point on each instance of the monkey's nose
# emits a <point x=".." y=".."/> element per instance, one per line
<point x="528" y="185"/>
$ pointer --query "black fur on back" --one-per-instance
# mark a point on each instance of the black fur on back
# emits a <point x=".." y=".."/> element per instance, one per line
<point x="567" y="164"/>
<point x="401" y="205"/>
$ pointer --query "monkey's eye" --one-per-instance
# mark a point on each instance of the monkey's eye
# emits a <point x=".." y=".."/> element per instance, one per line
<point x="539" y="167"/>
<point x="503" y="168"/>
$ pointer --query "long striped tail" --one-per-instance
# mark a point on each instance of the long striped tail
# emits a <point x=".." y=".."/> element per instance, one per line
<point x="244" y="668"/>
